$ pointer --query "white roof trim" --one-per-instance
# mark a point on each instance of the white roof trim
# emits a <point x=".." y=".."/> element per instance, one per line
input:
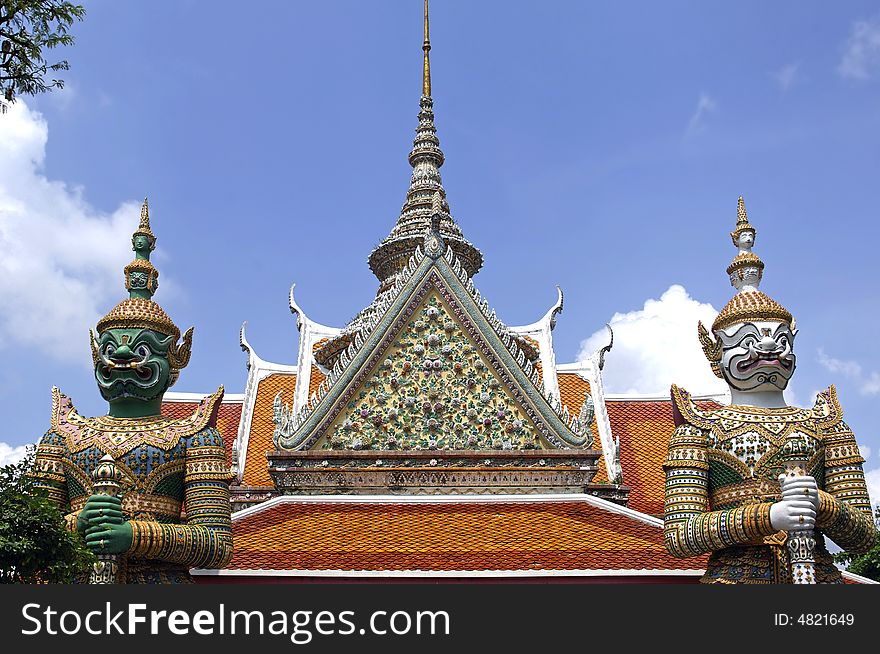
<point x="537" y="498"/>
<point x="858" y="578"/>
<point x="310" y="332"/>
<point x="180" y="396"/>
<point x="721" y="398"/>
<point x="588" y="369"/>
<point x="258" y="369"/>
<point x="541" y="331"/>
<point x="652" y="572"/>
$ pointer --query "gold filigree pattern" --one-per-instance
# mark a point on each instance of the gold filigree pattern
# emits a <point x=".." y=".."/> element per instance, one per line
<point x="139" y="313"/>
<point x="721" y="479"/>
<point x="116" y="436"/>
<point x="745" y="260"/>
<point x="751" y="306"/>
<point x="711" y="348"/>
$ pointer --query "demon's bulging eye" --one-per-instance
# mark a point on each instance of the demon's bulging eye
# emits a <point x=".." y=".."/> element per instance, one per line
<point x="109" y="349"/>
<point x="143" y="351"/>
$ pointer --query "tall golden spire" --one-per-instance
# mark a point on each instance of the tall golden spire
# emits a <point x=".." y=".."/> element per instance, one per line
<point x="426" y="68"/>
<point x="418" y="212"/>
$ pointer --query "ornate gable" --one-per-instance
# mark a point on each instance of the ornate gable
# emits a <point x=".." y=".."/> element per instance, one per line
<point x="434" y="382"/>
<point x="433" y="388"/>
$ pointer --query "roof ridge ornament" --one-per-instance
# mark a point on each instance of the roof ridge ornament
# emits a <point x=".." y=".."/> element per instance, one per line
<point x="433" y="240"/>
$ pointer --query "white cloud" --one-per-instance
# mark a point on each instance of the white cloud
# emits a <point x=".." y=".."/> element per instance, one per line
<point x="861" y="57"/>
<point x="61" y="259"/>
<point x="871" y="384"/>
<point x="872" y="477"/>
<point x="865" y="451"/>
<point x="10" y="454"/>
<point x="787" y="76"/>
<point x="657" y="346"/>
<point x="705" y="106"/>
<point x="868" y="383"/>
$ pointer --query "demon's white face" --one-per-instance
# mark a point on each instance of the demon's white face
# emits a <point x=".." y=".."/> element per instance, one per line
<point x="746" y="239"/>
<point x="757" y="356"/>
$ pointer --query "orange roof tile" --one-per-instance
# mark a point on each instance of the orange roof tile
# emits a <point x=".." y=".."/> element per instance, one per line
<point x="531" y="341"/>
<point x="228" y="418"/>
<point x="256" y="468"/>
<point x="319" y="344"/>
<point x="644" y="428"/>
<point x="572" y="390"/>
<point x="539" y="535"/>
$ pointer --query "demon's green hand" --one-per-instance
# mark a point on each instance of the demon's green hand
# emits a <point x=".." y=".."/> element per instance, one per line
<point x="101" y="523"/>
<point x="99" y="510"/>
<point x="109" y="538"/>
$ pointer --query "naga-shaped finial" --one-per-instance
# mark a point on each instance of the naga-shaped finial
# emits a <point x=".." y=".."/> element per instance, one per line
<point x="436" y="203"/>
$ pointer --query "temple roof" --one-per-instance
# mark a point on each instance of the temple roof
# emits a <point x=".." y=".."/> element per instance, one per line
<point x="182" y="405"/>
<point x="643" y="427"/>
<point x="444" y="534"/>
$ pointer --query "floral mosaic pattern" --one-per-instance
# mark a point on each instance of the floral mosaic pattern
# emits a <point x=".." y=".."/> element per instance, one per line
<point x="433" y="390"/>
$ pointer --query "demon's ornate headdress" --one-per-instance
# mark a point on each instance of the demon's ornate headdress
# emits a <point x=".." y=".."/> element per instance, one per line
<point x="139" y="311"/>
<point x="749" y="304"/>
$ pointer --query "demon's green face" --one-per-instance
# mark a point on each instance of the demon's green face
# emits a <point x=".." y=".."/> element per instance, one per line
<point x="132" y="364"/>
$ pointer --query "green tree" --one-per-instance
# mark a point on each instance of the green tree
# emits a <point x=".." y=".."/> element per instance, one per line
<point x="27" y="27"/>
<point x="35" y="544"/>
<point x="867" y="564"/>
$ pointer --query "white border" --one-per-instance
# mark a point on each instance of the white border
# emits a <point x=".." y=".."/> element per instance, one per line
<point x="721" y="398"/>
<point x="446" y="573"/>
<point x="858" y="578"/>
<point x="588" y="370"/>
<point x="536" y="498"/>
<point x="179" y="396"/>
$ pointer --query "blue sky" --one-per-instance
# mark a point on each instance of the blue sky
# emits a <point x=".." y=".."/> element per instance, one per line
<point x="598" y="146"/>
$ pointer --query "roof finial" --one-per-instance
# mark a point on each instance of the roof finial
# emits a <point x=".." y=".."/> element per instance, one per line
<point x="426" y="66"/>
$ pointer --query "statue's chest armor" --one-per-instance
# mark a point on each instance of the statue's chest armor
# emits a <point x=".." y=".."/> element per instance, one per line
<point x="146" y="471"/>
<point x="747" y="446"/>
